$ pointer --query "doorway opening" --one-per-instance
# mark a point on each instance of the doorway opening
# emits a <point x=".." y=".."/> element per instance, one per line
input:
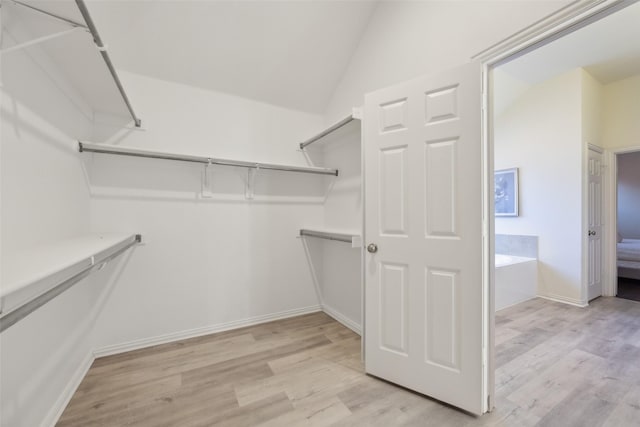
<point x="556" y="111"/>
<point x="628" y="224"/>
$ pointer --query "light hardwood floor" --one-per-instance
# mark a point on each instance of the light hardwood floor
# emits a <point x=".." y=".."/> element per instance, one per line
<point x="557" y="366"/>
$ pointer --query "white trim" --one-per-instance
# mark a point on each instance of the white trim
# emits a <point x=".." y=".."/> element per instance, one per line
<point x="623" y="150"/>
<point x="610" y="285"/>
<point x="38" y="40"/>
<point x="584" y="220"/>
<point x="572" y="17"/>
<point x="341" y="318"/>
<point x="205" y="330"/>
<point x="520" y="302"/>
<point x="488" y="243"/>
<point x="595" y="148"/>
<point x="565" y="300"/>
<point x="63" y="400"/>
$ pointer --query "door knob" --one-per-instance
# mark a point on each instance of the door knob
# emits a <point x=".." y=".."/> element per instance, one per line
<point x="372" y="248"/>
<point x="592" y="233"/>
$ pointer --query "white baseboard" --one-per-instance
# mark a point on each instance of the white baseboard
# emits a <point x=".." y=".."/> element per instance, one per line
<point x="342" y="319"/>
<point x="65" y="397"/>
<point x="516" y="303"/>
<point x="197" y="332"/>
<point x="565" y="300"/>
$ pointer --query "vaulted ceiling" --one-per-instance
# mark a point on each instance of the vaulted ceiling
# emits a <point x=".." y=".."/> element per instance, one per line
<point x="293" y="53"/>
<point x="287" y="53"/>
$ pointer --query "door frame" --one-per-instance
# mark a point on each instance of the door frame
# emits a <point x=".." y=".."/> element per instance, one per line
<point x="610" y="285"/>
<point x="566" y="20"/>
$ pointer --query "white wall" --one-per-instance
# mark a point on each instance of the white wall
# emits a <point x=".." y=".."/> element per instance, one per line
<point x="338" y="263"/>
<point x="44" y="198"/>
<point x="406" y="39"/>
<point x="205" y="263"/>
<point x="541" y="135"/>
<point x="629" y="195"/>
<point x="621" y="106"/>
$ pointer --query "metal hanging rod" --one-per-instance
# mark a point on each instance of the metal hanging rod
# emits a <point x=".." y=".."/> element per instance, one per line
<point x="327" y="131"/>
<point x="98" y="41"/>
<point x="20" y="312"/>
<point x="40" y="40"/>
<point x="103" y="51"/>
<point x="340" y="237"/>
<point x="110" y="149"/>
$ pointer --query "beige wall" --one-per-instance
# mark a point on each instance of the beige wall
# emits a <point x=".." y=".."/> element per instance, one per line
<point x="541" y="135"/>
<point x="592" y="110"/>
<point x="621" y="102"/>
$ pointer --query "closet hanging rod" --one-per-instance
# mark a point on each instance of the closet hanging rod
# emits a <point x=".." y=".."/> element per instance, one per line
<point x="328" y="130"/>
<point x="103" y="51"/>
<point x="110" y="149"/>
<point x="98" y="41"/>
<point x="20" y="312"/>
<point x="340" y="237"/>
<point x="52" y="15"/>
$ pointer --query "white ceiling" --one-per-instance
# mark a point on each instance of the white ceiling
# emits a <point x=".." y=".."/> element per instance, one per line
<point x="287" y="53"/>
<point x="608" y="49"/>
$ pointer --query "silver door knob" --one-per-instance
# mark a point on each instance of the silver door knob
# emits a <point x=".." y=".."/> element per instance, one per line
<point x="372" y="248"/>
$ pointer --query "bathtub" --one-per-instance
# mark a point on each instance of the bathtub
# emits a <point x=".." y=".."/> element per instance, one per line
<point x="516" y="280"/>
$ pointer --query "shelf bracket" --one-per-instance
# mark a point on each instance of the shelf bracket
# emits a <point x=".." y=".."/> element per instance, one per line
<point x="39" y="40"/>
<point x="207" y="181"/>
<point x="251" y="181"/>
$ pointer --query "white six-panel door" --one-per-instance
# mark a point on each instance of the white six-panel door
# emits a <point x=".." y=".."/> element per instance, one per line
<point x="595" y="224"/>
<point x="423" y="212"/>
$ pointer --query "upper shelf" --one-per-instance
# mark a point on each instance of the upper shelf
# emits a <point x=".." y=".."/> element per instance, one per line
<point x="66" y="33"/>
<point x="356" y="115"/>
<point x="124" y="151"/>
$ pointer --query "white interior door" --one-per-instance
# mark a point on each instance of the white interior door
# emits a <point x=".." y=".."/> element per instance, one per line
<point x="423" y="224"/>
<point x="595" y="223"/>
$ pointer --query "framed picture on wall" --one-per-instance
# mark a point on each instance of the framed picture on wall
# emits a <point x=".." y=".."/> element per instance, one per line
<point x="506" y="192"/>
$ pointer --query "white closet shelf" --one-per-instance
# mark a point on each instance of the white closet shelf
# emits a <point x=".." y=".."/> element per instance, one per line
<point x="356" y="115"/>
<point x="32" y="274"/>
<point x="352" y="237"/>
<point x="125" y="151"/>
<point x="81" y="55"/>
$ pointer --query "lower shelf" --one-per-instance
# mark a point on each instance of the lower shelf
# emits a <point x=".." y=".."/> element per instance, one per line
<point x="32" y="278"/>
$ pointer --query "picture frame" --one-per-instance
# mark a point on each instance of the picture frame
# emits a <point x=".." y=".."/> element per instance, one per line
<point x="506" y="192"/>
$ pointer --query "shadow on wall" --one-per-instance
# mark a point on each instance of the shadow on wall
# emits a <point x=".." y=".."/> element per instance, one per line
<point x="138" y="178"/>
<point x="32" y="81"/>
<point x="313" y="249"/>
<point x="58" y="340"/>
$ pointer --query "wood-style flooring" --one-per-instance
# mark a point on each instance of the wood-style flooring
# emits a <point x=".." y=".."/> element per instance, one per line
<point x="557" y="366"/>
